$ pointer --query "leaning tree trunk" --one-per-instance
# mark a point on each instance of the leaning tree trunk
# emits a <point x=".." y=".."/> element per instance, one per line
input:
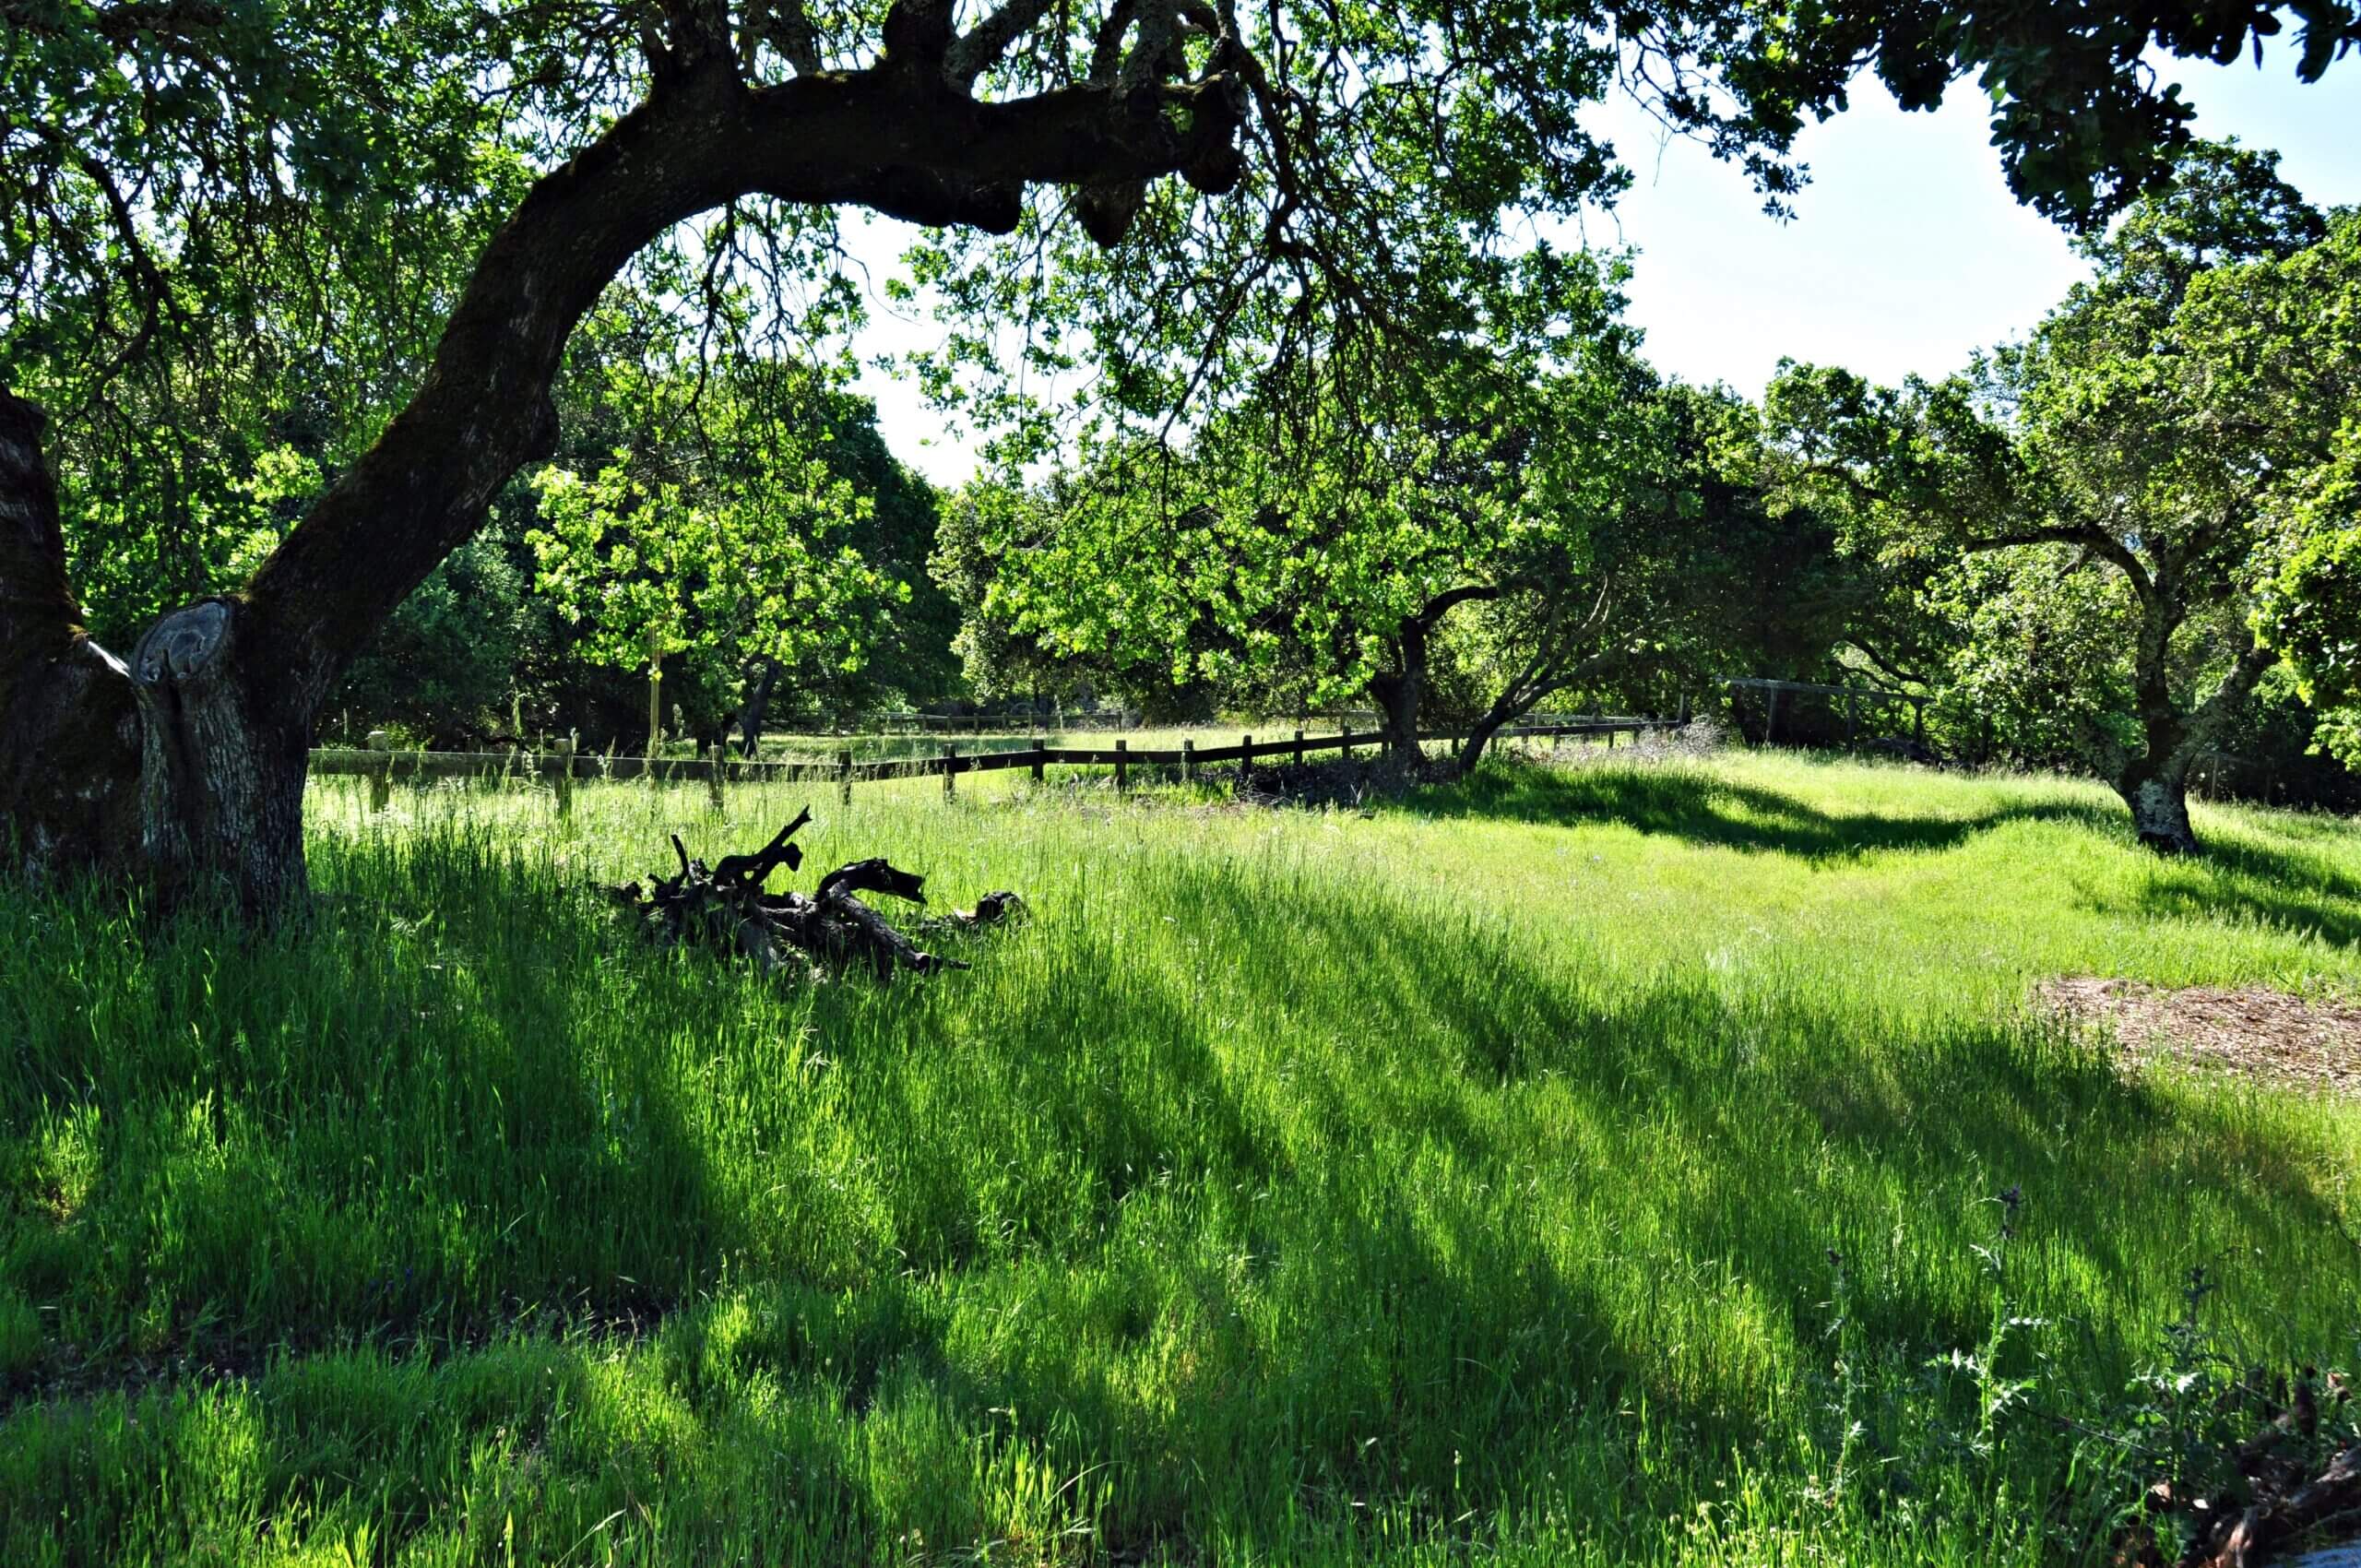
<point x="1479" y="736"/>
<point x="187" y="766"/>
<point x="756" y="707"/>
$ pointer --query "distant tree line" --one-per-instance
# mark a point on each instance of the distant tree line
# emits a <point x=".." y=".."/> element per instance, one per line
<point x="2121" y="545"/>
<point x="2124" y="545"/>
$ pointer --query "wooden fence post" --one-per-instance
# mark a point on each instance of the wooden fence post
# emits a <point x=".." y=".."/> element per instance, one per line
<point x="950" y="769"/>
<point x="1040" y="747"/>
<point x="1852" y="718"/>
<point x="713" y="778"/>
<point x="1188" y="762"/>
<point x="1298" y="748"/>
<point x="1245" y="761"/>
<point x="844" y="778"/>
<point x="1771" y="716"/>
<point x="1344" y="742"/>
<point x="565" y="778"/>
<point x="381" y="773"/>
<point x="1123" y="772"/>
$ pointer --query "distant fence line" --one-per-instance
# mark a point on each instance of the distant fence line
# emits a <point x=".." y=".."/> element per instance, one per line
<point x="1853" y="695"/>
<point x="563" y="764"/>
<point x="1065" y="721"/>
<point x="981" y="724"/>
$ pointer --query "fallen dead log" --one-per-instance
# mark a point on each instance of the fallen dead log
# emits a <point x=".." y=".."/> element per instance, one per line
<point x="724" y="908"/>
<point x="2290" y="1486"/>
<point x="2284" y="1515"/>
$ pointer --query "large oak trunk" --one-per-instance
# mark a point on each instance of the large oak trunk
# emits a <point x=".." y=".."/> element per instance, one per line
<point x="221" y="766"/>
<point x="2159" y="803"/>
<point x="1396" y="695"/>
<point x="1398" y="692"/>
<point x="176" y="770"/>
<point x="166" y="772"/>
<point x="757" y="705"/>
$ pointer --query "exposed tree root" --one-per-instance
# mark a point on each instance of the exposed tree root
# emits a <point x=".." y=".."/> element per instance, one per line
<point x="723" y="907"/>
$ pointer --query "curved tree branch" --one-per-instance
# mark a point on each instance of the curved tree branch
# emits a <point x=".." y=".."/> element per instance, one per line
<point x="889" y="138"/>
<point x="2093" y="540"/>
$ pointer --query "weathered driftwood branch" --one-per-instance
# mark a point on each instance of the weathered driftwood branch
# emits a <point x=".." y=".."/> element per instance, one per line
<point x="723" y="907"/>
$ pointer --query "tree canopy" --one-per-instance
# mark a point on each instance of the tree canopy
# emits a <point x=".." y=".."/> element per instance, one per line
<point x="2134" y="469"/>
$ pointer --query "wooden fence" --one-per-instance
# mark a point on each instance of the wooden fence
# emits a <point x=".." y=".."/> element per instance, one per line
<point x="563" y="764"/>
<point x="985" y="723"/>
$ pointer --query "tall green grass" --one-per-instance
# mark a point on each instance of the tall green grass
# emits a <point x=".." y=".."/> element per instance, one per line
<point x="1458" y="1176"/>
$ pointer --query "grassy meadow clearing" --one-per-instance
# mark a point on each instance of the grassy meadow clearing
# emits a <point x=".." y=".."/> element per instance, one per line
<point x="1575" y="1165"/>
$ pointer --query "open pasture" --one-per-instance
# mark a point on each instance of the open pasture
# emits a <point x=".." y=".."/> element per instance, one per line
<point x="1569" y="1165"/>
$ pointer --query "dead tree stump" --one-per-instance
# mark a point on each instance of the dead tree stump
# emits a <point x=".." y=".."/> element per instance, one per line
<point x="724" y="908"/>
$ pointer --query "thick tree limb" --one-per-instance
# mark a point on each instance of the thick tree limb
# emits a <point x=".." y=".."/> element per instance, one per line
<point x="989" y="39"/>
<point x="2262" y="1529"/>
<point x="1886" y="666"/>
<point x="886" y="138"/>
<point x="2093" y="540"/>
<point x="872" y="876"/>
<point x="753" y="870"/>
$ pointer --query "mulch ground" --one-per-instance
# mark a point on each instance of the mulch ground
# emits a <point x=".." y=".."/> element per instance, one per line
<point x="2254" y="1032"/>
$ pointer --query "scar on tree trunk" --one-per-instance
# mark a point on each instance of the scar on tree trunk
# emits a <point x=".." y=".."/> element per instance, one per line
<point x="221" y="772"/>
<point x="2159" y="804"/>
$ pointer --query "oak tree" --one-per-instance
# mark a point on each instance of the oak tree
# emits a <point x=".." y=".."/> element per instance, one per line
<point x="2127" y="476"/>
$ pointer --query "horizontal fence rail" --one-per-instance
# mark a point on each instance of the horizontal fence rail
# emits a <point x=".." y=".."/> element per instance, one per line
<point x="567" y="765"/>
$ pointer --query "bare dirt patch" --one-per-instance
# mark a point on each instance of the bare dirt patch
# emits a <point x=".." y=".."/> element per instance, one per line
<point x="2254" y="1032"/>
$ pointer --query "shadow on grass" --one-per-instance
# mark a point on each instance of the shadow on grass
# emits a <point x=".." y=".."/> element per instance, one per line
<point x="2237" y="879"/>
<point x="1414" y="1217"/>
<point x="395" y="1125"/>
<point x="1708" y="808"/>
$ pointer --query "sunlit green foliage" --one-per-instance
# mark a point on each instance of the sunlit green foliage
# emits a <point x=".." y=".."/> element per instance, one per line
<point x="745" y="554"/>
<point x="2164" y="432"/>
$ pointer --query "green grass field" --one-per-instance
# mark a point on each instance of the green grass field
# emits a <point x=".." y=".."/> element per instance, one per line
<point x="1455" y="1180"/>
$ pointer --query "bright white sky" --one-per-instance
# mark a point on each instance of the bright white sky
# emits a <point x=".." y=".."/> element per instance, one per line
<point x="1907" y="252"/>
